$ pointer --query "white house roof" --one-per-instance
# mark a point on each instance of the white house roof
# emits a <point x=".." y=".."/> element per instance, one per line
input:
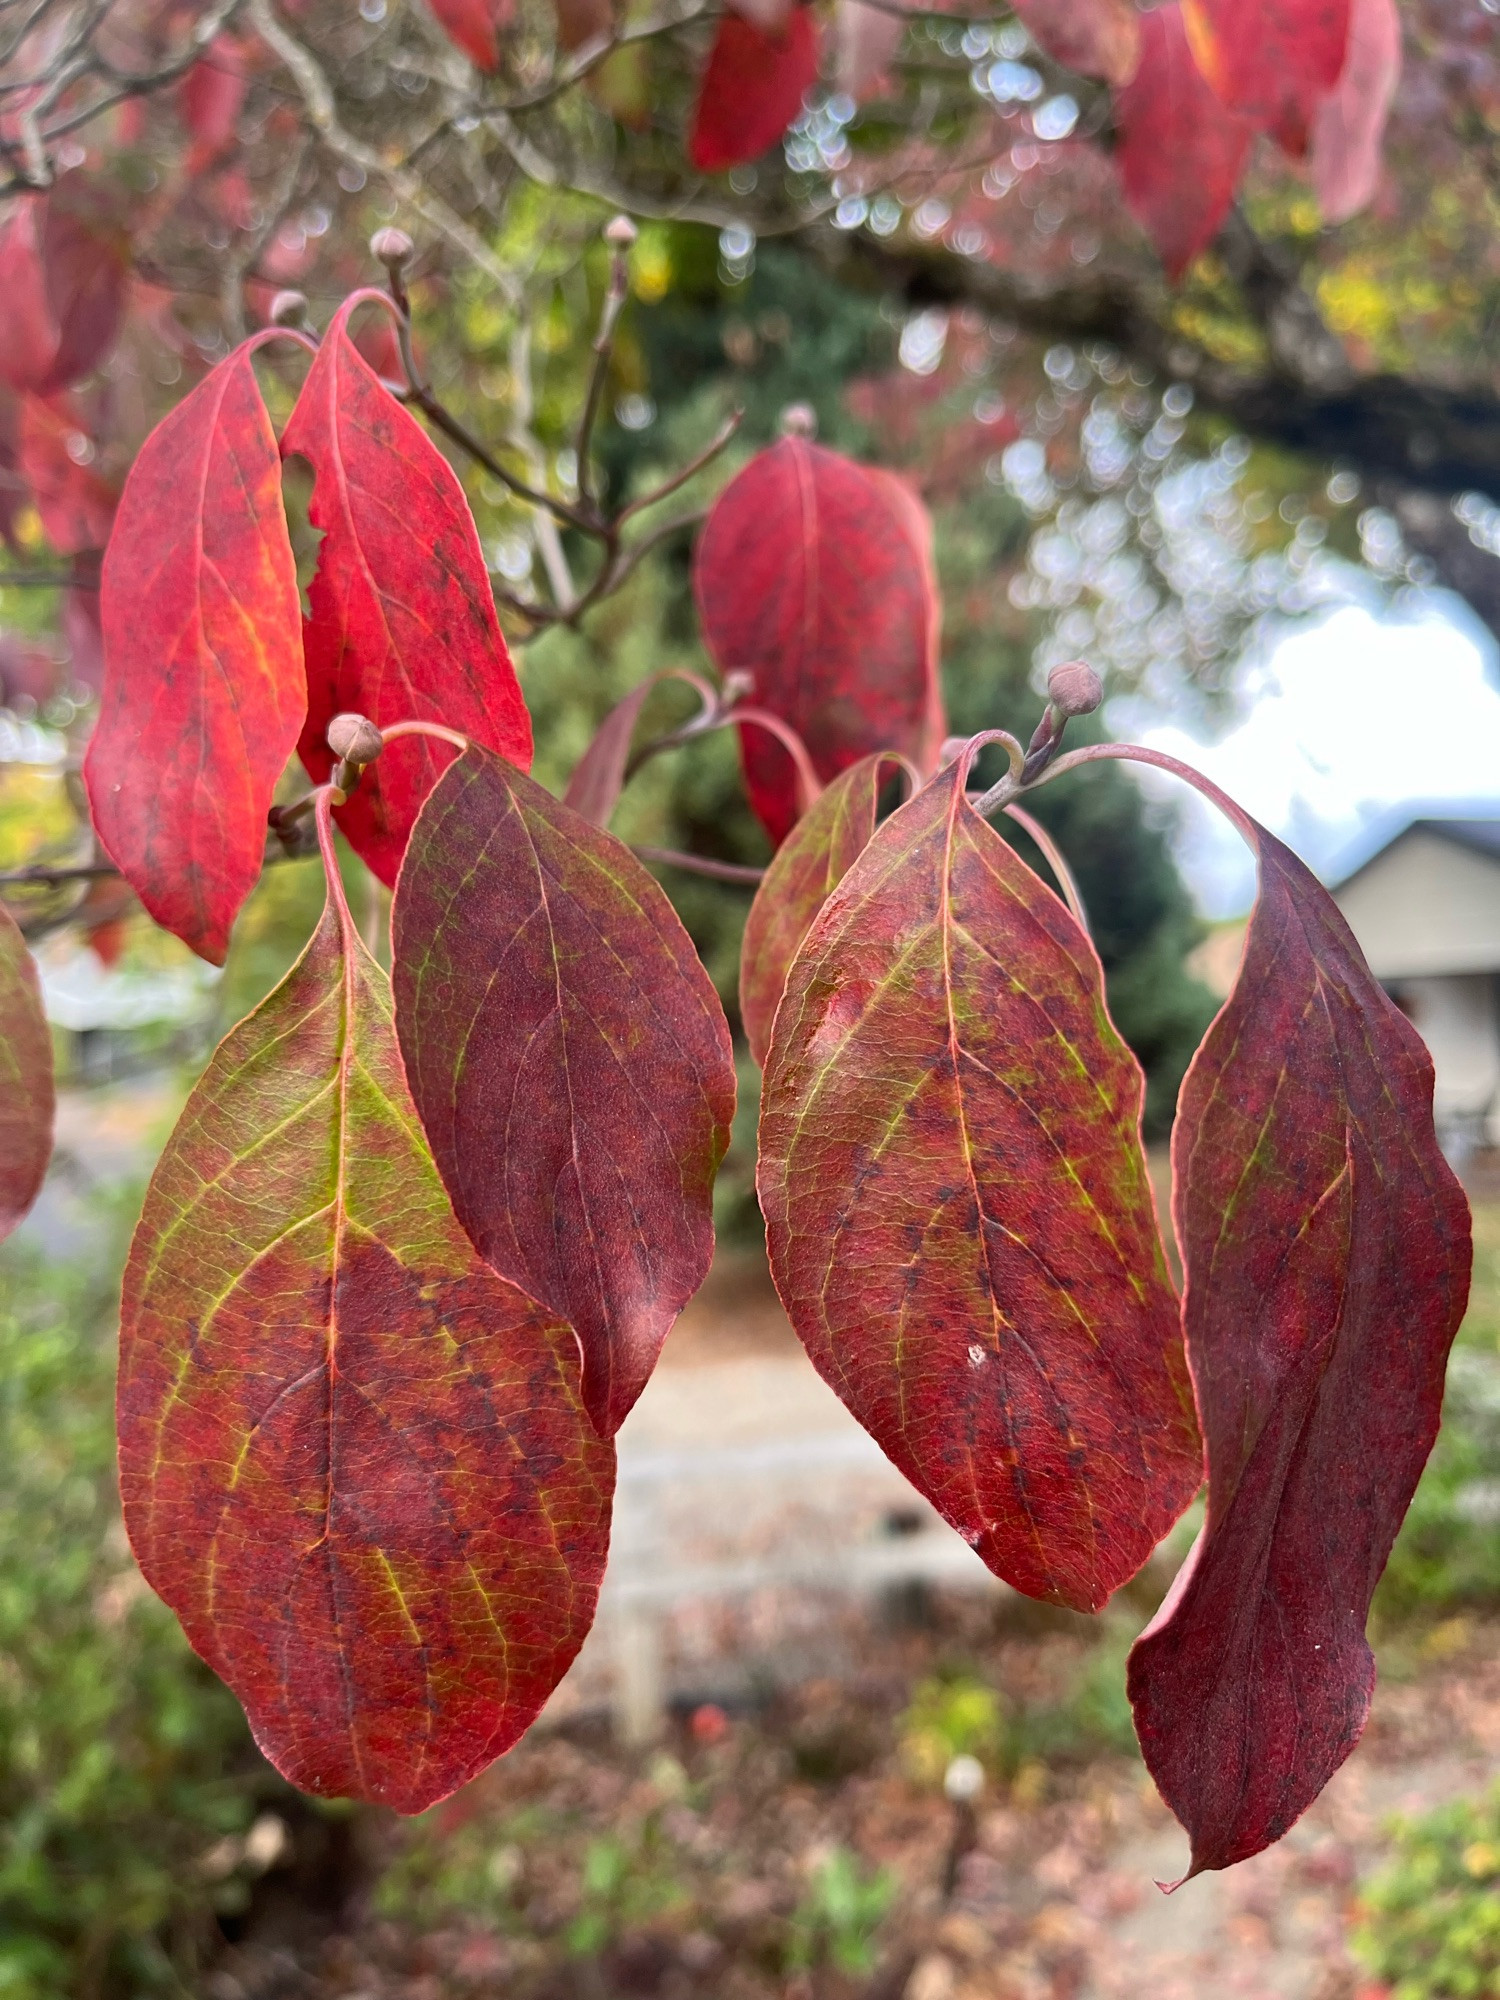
<point x="1472" y="824"/>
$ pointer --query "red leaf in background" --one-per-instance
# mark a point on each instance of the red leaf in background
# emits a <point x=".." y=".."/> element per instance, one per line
<point x="26" y="1097"/>
<point x="865" y="41"/>
<point x="569" y="1059"/>
<point x="474" y="26"/>
<point x="107" y="940"/>
<point x="203" y="686"/>
<point x="813" y="575"/>
<point x="85" y="253"/>
<point x="14" y="491"/>
<point x="958" y="1212"/>
<point x="1094" y="37"/>
<point x="599" y="775"/>
<point x="76" y="505"/>
<point x="210" y="97"/>
<point x="809" y="864"/>
<point x="1326" y="1249"/>
<point x="1180" y="153"/>
<point x="580" y="21"/>
<point x="1270" y="60"/>
<point x="28" y="336"/>
<point x="403" y="619"/>
<point x="1349" y="124"/>
<point x="752" y="89"/>
<point x="352" y="1459"/>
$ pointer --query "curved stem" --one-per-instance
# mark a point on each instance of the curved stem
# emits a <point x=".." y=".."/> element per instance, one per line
<point x="808" y="784"/>
<point x="1010" y="784"/>
<point x="414" y="727"/>
<point x="1136" y="753"/>
<point x="324" y="800"/>
<point x="700" y="864"/>
<point x="1055" y="861"/>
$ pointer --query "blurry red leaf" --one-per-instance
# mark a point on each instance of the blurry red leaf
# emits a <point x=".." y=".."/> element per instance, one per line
<point x="1094" y="37"/>
<point x="959" y="1217"/>
<point x="352" y="1459"/>
<point x="580" y="21"/>
<point x="1349" y="124"/>
<point x="203" y="686"/>
<point x="1180" y="152"/>
<point x="210" y="96"/>
<point x="14" y="491"/>
<point x="813" y="575"/>
<point x="865" y="41"/>
<point x="474" y="26"/>
<point x="1326" y="1249"/>
<point x="599" y="775"/>
<point x="809" y="864"/>
<point x="752" y="88"/>
<point x="403" y="619"/>
<point x="1269" y="60"/>
<point x="28" y="334"/>
<point x="85" y="255"/>
<point x="26" y="1099"/>
<point x="570" y="1062"/>
<point x="76" y="505"/>
<point x="107" y="940"/>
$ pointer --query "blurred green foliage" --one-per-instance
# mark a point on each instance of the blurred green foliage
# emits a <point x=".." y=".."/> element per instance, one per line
<point x="839" y="1916"/>
<point x="1431" y="1918"/>
<point x="123" y="1761"/>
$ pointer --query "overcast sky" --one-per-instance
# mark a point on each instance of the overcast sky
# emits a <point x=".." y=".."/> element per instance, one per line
<point x="1342" y="720"/>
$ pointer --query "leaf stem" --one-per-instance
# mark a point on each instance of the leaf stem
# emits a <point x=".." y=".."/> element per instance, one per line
<point x="1054" y="859"/>
<point x="701" y="864"/>
<point x="415" y="727"/>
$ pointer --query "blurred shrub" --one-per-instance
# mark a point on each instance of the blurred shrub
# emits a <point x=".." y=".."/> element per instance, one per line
<point x="951" y="1715"/>
<point x="836" y="1922"/>
<point x="1431" y="1927"/>
<point x="126" y="1769"/>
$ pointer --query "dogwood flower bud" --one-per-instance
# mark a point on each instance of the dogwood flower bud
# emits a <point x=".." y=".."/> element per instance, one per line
<point x="1074" y="688"/>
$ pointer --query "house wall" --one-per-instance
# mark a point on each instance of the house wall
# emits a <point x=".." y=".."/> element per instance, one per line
<point x="1458" y="1017"/>
<point x="1426" y="905"/>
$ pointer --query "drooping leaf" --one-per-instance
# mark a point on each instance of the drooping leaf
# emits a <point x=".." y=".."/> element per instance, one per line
<point x="474" y="26"/>
<point x="85" y="254"/>
<point x="1180" y="151"/>
<point x="599" y="775"/>
<point x="212" y="94"/>
<point x="865" y="41"/>
<point x="203" y="686"/>
<point x="809" y="864"/>
<point x="1270" y="60"/>
<point x="28" y="335"/>
<point x="752" y="88"/>
<point x="1326" y="1249"/>
<point x="403" y="620"/>
<point x="26" y="1097"/>
<point x="960" y="1223"/>
<point x="1349" y="124"/>
<point x="75" y="503"/>
<point x="813" y="575"/>
<point x="353" y="1460"/>
<point x="569" y="1059"/>
<point x="1095" y="37"/>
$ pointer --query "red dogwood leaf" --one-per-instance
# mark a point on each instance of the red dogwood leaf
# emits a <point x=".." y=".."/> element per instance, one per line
<point x="813" y="575"/>
<point x="809" y="864"/>
<point x="1326" y="1248"/>
<point x="752" y="88"/>
<point x="474" y="26"/>
<point x="1180" y="152"/>
<point x="1270" y="60"/>
<point x="75" y="503"/>
<point x="85" y="253"/>
<point x="1094" y="37"/>
<point x="353" y="1460"/>
<point x="959" y="1218"/>
<point x="203" y="685"/>
<point x="403" y="619"/>
<point x="1349" y="124"/>
<point x="570" y="1062"/>
<point x="26" y="1097"/>
<point x="212" y="94"/>
<point x="28" y="336"/>
<point x="599" y="775"/>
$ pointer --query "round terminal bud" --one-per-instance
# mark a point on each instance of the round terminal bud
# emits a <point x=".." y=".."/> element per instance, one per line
<point x="354" y="738"/>
<point x="799" y="420"/>
<point x="1075" y="688"/>
<point x="288" y="309"/>
<point x="391" y="246"/>
<point x="963" y="1780"/>
<point x="620" y="232"/>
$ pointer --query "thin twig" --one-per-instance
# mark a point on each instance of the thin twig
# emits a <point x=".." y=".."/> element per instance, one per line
<point x="699" y="864"/>
<point x="680" y="479"/>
